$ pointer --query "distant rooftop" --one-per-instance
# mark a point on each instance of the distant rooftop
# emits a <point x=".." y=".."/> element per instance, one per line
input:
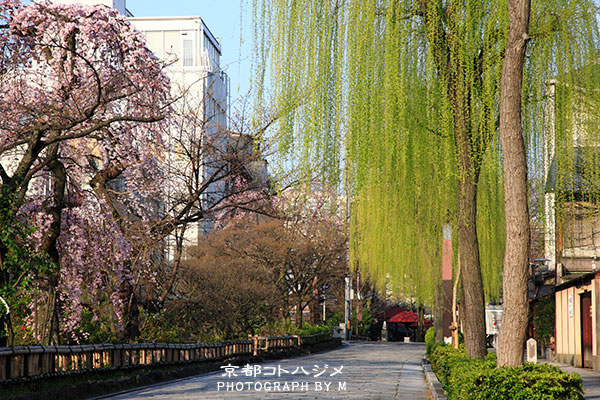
<point x="121" y="6"/>
<point x="209" y="34"/>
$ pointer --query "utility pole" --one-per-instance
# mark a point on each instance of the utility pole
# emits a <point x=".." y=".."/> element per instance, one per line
<point x="347" y="308"/>
<point x="358" y="303"/>
<point x="324" y="289"/>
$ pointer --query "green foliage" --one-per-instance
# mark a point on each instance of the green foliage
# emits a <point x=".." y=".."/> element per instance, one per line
<point x="19" y="260"/>
<point x="479" y="379"/>
<point x="154" y="327"/>
<point x="365" y="324"/>
<point x="308" y="329"/>
<point x="370" y="89"/>
<point x="429" y="341"/>
<point x="157" y="327"/>
<point x="543" y="320"/>
<point x="20" y="263"/>
<point x="335" y="319"/>
<point x="96" y="330"/>
<point x="286" y="328"/>
<point x="275" y="328"/>
<point x="529" y="382"/>
<point x="368" y="70"/>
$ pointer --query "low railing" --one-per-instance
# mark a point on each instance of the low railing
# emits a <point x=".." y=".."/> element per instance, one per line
<point x="268" y="343"/>
<point x="33" y="362"/>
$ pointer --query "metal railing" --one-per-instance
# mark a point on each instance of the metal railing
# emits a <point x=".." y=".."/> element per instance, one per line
<point x="33" y="362"/>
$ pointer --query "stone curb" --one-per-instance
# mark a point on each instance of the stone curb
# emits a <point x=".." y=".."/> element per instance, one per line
<point x="435" y="387"/>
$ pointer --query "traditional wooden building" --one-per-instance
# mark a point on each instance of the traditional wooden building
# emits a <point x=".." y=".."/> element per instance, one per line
<point x="577" y="321"/>
<point x="572" y="223"/>
<point x="576" y="250"/>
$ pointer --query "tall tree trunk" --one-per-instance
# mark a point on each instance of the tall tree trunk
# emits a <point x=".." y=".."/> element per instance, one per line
<point x="49" y="246"/>
<point x="514" y="276"/>
<point x="299" y="318"/>
<point x="179" y="236"/>
<point x="132" y="313"/>
<point x="4" y="330"/>
<point x="316" y="311"/>
<point x="438" y="313"/>
<point x="469" y="165"/>
<point x="420" y="335"/>
<point x="473" y="307"/>
<point x="54" y="338"/>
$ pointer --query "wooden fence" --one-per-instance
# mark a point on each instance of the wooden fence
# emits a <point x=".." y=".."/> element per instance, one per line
<point x="32" y="362"/>
<point x="269" y="343"/>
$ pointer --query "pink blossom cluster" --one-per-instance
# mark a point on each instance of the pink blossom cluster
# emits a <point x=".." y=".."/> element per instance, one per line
<point x="74" y="68"/>
<point x="94" y="256"/>
<point x="80" y="87"/>
<point x="245" y="201"/>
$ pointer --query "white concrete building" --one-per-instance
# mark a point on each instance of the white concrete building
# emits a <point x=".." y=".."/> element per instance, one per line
<point x="193" y="57"/>
<point x="193" y="54"/>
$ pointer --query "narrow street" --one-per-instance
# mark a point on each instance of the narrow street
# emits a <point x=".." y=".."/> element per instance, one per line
<point x="359" y="370"/>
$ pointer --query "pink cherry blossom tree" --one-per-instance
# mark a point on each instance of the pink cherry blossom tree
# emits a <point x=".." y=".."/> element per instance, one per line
<point x="86" y="171"/>
<point x="82" y="103"/>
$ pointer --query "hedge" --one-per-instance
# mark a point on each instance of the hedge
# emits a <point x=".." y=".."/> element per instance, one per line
<point x="479" y="379"/>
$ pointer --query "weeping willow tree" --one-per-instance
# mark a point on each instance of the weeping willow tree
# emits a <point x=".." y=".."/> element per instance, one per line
<point x="401" y="99"/>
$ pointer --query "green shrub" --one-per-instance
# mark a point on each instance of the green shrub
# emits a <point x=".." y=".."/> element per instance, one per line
<point x="463" y="373"/>
<point x="527" y="382"/>
<point x="444" y="359"/>
<point x="308" y="329"/>
<point x="157" y="327"/>
<point x="335" y="319"/>
<point x="479" y="379"/>
<point x="429" y="341"/>
<point x="542" y="319"/>
<point x="96" y="330"/>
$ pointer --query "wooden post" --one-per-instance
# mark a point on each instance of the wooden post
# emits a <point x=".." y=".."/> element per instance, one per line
<point x="447" y="318"/>
<point x="454" y="326"/>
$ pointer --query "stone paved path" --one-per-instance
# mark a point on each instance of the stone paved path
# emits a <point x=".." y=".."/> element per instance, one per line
<point x="359" y="370"/>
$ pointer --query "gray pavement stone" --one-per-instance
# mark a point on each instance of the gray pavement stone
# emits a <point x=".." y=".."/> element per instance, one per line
<point x="359" y="370"/>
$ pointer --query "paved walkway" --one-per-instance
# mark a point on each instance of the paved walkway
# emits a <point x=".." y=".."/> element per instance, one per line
<point x="591" y="379"/>
<point x="359" y="370"/>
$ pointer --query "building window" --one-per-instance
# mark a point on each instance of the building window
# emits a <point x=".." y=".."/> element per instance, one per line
<point x="188" y="52"/>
